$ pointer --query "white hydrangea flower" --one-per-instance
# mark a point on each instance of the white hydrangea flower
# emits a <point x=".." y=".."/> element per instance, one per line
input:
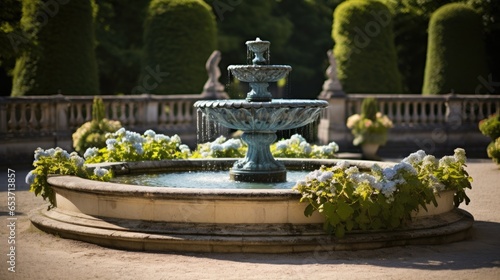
<point x="221" y="139"/>
<point x="138" y="148"/>
<point x="325" y="176"/>
<point x="415" y="158"/>
<point x="39" y="152"/>
<point x="100" y="172"/>
<point x="334" y="146"/>
<point x="150" y="133"/>
<point x="343" y="164"/>
<point x="297" y="139"/>
<point x="460" y="155"/>
<point x="161" y="137"/>
<point x="120" y="132"/>
<point x="446" y="161"/>
<point x="351" y="170"/>
<point x="388" y="188"/>
<point x="184" y="149"/>
<point x="90" y="152"/>
<point x="282" y="145"/>
<point x="232" y="144"/>
<point x="305" y="147"/>
<point x="76" y="159"/>
<point x="175" y="139"/>
<point x="405" y="167"/>
<point x="216" y="147"/>
<point x="30" y="177"/>
<point x="389" y="173"/>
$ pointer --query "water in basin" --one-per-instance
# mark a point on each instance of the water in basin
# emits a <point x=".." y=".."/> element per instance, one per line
<point x="205" y="180"/>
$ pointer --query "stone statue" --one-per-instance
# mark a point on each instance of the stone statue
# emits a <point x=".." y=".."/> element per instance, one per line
<point x="332" y="86"/>
<point x="213" y="89"/>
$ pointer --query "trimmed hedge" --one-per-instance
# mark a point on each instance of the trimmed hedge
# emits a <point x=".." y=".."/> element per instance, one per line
<point x="455" y="51"/>
<point x="179" y="36"/>
<point x="364" y="48"/>
<point x="62" y="60"/>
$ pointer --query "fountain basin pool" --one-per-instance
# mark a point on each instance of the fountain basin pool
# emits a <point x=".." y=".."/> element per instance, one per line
<point x="219" y="220"/>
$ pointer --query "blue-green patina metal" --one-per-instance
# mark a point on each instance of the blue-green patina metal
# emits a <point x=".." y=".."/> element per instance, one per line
<point x="259" y="116"/>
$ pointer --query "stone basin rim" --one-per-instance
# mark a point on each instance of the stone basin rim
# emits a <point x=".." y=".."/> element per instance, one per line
<point x="75" y="183"/>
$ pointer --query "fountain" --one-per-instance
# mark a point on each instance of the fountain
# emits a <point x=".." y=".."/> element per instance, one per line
<point x="222" y="219"/>
<point x="259" y="116"/>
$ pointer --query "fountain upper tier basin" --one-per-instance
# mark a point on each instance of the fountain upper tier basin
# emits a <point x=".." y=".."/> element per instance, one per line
<point x="277" y="114"/>
<point x="259" y="73"/>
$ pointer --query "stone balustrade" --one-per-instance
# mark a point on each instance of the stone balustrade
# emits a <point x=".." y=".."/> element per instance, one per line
<point x="433" y="123"/>
<point x="46" y="115"/>
<point x="420" y="122"/>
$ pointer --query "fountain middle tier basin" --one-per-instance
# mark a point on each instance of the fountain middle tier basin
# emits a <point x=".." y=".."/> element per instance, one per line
<point x="259" y="73"/>
<point x="277" y="114"/>
<point x="220" y="220"/>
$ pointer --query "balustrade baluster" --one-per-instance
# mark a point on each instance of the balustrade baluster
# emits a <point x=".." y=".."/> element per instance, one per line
<point x="33" y="121"/>
<point x="131" y="118"/>
<point x="12" y="123"/>
<point x="390" y="110"/>
<point x="123" y="115"/>
<point x="423" y="112"/>
<point x="407" y="116"/>
<point x="415" y="113"/>
<point x="432" y="116"/>
<point x="23" y="122"/>
<point x="114" y="111"/>
<point x="480" y="114"/>
<point x="399" y="116"/>
<point x="79" y="120"/>
<point x="45" y="117"/>
<point x="171" y="113"/>
<point x="88" y="112"/>
<point x="440" y="113"/>
<point x="163" y="114"/>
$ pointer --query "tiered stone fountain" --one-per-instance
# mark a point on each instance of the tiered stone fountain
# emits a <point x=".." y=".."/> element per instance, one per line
<point x="260" y="116"/>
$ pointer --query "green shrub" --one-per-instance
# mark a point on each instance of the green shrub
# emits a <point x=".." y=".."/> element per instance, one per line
<point x="491" y="126"/>
<point x="364" y="48"/>
<point x="455" y="52"/>
<point x="62" y="60"/>
<point x="493" y="150"/>
<point x="369" y="108"/>
<point x="179" y="36"/>
<point x="93" y="133"/>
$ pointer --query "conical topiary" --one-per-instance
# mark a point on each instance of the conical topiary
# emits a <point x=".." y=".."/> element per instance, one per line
<point x="179" y="36"/>
<point x="364" y="48"/>
<point x="455" y="51"/>
<point x="62" y="58"/>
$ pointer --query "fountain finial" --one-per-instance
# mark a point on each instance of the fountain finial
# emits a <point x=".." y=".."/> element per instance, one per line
<point x="258" y="47"/>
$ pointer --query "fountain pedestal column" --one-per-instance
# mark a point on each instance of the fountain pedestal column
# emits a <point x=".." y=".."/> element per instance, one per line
<point x="259" y="164"/>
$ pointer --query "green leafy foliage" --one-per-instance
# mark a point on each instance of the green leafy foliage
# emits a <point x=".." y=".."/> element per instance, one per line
<point x="124" y="145"/>
<point x="364" y="48"/>
<point x="491" y="126"/>
<point x="493" y="150"/>
<point x="294" y="147"/>
<point x="382" y="198"/>
<point x="58" y="162"/>
<point x="454" y="64"/>
<point x="93" y="133"/>
<point x="179" y="36"/>
<point x="61" y="59"/>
